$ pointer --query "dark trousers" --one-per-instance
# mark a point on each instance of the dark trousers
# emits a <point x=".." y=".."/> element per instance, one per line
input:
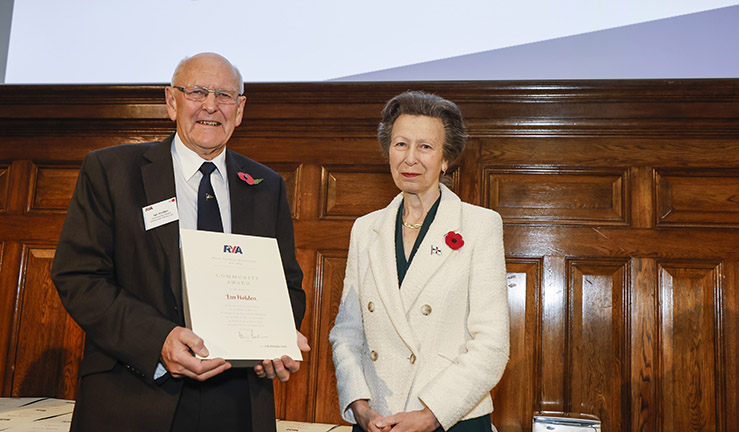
<point x="220" y="403"/>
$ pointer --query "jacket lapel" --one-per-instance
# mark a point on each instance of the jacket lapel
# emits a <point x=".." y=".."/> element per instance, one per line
<point x="158" y="178"/>
<point x="384" y="269"/>
<point x="425" y="263"/>
<point x="241" y="215"/>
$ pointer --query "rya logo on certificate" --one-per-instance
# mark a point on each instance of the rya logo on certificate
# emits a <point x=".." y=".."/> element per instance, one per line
<point x="232" y="249"/>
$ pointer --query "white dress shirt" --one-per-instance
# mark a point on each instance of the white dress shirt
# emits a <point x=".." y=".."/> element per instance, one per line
<point x="187" y="177"/>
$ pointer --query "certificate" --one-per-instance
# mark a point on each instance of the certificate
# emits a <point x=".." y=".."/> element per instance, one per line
<point x="35" y="414"/>
<point x="235" y="296"/>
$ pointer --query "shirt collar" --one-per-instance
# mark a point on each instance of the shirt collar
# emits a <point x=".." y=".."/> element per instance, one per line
<point x="191" y="161"/>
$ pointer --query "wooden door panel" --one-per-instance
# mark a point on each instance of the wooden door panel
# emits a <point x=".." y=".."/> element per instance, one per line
<point x="348" y="192"/>
<point x="553" y="331"/>
<point x="691" y="346"/>
<point x="332" y="265"/>
<point x="49" y="343"/>
<point x="697" y="198"/>
<point x="290" y="399"/>
<point x="558" y="196"/>
<point x="597" y="365"/>
<point x="51" y="188"/>
<point x="514" y="395"/>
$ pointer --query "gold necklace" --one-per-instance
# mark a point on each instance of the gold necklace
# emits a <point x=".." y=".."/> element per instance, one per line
<point x="412" y="226"/>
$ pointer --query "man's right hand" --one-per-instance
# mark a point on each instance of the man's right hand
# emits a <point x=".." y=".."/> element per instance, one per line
<point x="178" y="358"/>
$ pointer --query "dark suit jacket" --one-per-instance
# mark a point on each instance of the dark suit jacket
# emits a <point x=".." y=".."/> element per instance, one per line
<point x="122" y="284"/>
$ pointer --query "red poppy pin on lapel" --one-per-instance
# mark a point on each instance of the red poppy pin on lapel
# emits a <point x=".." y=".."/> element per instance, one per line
<point x="249" y="179"/>
<point x="454" y="240"/>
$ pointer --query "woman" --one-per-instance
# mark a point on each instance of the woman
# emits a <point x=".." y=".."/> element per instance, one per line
<point x="421" y="336"/>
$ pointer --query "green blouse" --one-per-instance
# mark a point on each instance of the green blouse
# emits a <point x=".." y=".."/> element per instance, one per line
<point x="399" y="249"/>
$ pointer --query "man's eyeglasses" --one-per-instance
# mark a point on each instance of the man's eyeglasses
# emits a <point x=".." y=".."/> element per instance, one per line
<point x="200" y="94"/>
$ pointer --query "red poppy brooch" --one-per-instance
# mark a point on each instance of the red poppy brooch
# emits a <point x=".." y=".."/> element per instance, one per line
<point x="454" y="240"/>
<point x="249" y="179"/>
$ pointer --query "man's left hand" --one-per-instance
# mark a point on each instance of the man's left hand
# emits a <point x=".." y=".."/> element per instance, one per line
<point x="281" y="368"/>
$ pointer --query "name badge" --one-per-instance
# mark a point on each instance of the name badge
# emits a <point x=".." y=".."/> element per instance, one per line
<point x="161" y="213"/>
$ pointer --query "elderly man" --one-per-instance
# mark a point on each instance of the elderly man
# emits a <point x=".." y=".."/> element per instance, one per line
<point x="120" y="278"/>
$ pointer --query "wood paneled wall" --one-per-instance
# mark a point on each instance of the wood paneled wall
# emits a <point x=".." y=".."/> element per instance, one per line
<point x="621" y="208"/>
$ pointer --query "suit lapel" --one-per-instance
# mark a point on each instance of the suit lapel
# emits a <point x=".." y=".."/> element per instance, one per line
<point x="158" y="178"/>
<point x="241" y="196"/>
<point x="385" y="272"/>
<point x="425" y="263"/>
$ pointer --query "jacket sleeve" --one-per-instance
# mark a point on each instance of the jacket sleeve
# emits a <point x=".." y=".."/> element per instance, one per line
<point x="84" y="271"/>
<point x="475" y="372"/>
<point x="347" y="337"/>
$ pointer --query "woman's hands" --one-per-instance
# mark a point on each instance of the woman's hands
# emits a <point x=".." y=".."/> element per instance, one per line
<point x="366" y="417"/>
<point x="411" y="421"/>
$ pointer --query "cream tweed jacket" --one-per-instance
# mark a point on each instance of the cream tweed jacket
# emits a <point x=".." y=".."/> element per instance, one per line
<point x="442" y="339"/>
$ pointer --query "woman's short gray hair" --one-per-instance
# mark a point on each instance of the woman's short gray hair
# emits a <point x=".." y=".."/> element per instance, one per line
<point x="429" y="105"/>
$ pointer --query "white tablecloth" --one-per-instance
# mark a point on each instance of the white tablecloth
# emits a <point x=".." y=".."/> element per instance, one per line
<point x="35" y="414"/>
<point x="30" y="414"/>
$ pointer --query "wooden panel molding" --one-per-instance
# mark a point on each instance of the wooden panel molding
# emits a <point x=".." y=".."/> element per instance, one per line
<point x="290" y="172"/>
<point x="598" y="367"/>
<point x="644" y="345"/>
<point x="697" y="198"/>
<point x="51" y="188"/>
<point x="350" y="191"/>
<point x="4" y="175"/>
<point x="48" y="343"/>
<point x="692" y="391"/>
<point x="10" y="255"/>
<point x="454" y="177"/>
<point x="513" y="396"/>
<point x="558" y="195"/>
<point x="675" y="108"/>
